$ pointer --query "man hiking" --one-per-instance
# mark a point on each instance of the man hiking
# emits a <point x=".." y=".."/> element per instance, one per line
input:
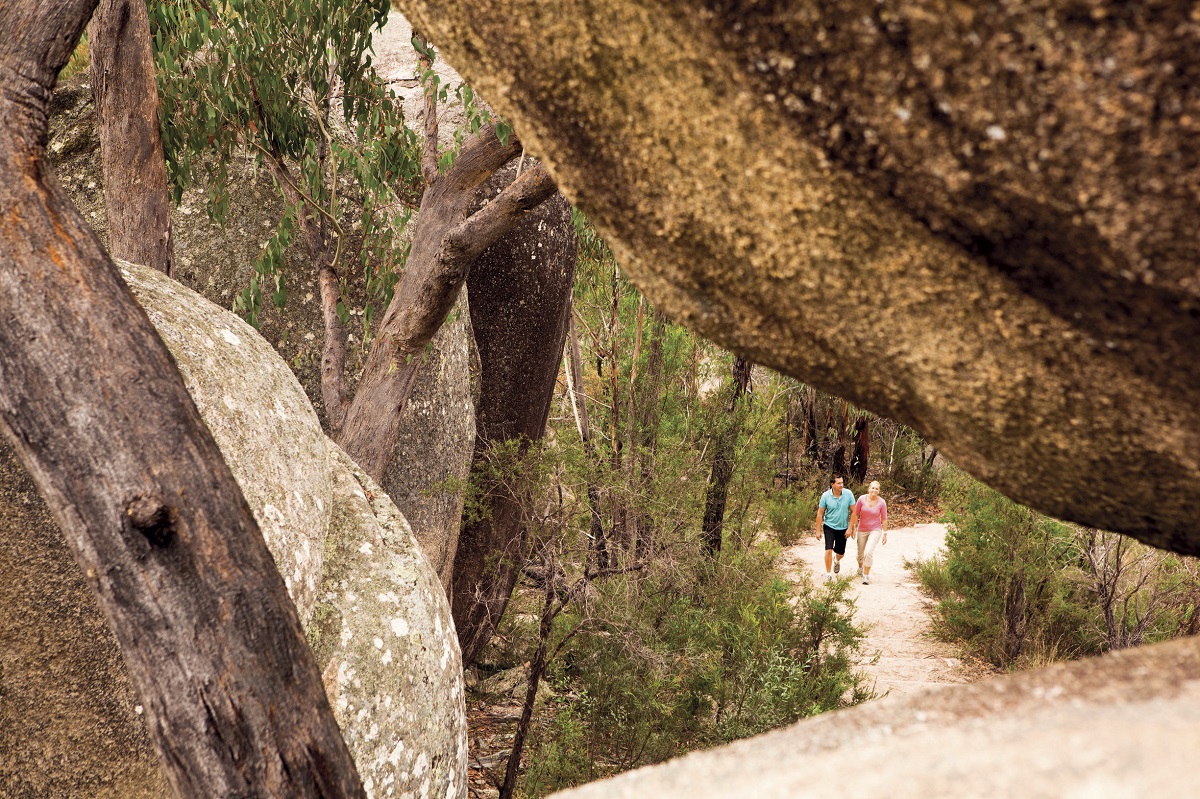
<point x="833" y="517"/>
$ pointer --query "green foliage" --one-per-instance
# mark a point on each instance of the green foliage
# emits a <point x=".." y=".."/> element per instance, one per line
<point x="81" y="60"/>
<point x="1006" y="566"/>
<point x="791" y="513"/>
<point x="687" y="659"/>
<point x="562" y="754"/>
<point x="910" y="471"/>
<point x="1021" y="589"/>
<point x="266" y="79"/>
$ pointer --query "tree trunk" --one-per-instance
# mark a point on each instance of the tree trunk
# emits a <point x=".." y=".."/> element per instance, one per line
<point x="131" y="150"/>
<point x="520" y="292"/>
<point x="447" y="241"/>
<point x="99" y="416"/>
<point x="722" y="468"/>
<point x="550" y="609"/>
<point x="616" y="496"/>
<point x="860" y="460"/>
<point x="599" y="543"/>
<point x="838" y="461"/>
<point x="812" y="442"/>
<point x="648" y="395"/>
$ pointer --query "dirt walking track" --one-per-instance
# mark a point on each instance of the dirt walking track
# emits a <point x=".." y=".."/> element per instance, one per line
<point x="892" y="609"/>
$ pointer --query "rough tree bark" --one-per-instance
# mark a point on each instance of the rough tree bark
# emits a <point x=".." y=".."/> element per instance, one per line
<point x="1012" y="191"/>
<point x="520" y="291"/>
<point x="131" y="150"/>
<point x="862" y="449"/>
<point x="722" y="468"/>
<point x="447" y="241"/>
<point x="99" y="416"/>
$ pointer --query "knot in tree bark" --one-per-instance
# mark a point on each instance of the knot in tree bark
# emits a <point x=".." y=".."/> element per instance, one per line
<point x="152" y="518"/>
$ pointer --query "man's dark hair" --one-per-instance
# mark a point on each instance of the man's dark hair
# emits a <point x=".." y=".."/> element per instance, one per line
<point x="834" y="478"/>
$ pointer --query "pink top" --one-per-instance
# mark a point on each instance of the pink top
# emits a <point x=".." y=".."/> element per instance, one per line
<point x="870" y="519"/>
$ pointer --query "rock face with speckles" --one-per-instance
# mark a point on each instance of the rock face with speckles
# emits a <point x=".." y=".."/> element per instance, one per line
<point x="996" y="203"/>
<point x="434" y="442"/>
<point x="69" y="724"/>
<point x="386" y="645"/>
<point x="267" y="430"/>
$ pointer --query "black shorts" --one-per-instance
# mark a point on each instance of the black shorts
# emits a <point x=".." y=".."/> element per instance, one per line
<point x="835" y="539"/>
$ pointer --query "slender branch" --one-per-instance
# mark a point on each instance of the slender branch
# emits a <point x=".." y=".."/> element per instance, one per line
<point x="275" y="162"/>
<point x="429" y="155"/>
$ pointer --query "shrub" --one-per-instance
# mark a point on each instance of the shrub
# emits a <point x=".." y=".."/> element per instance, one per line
<point x="1020" y="589"/>
<point x="1006" y="593"/>
<point x="562" y="755"/>
<point x="792" y="513"/>
<point x="685" y="659"/>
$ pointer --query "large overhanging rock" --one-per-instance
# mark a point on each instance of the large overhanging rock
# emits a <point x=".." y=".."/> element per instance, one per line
<point x="978" y="222"/>
<point x="373" y="606"/>
<point x="1096" y="728"/>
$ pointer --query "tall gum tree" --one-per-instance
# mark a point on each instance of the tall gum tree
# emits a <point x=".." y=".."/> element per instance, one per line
<point x="996" y="204"/>
<point x="131" y="151"/>
<point x="520" y="290"/>
<point x="99" y="416"/>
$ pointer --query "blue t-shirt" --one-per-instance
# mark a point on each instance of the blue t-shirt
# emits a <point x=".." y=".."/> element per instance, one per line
<point x="837" y="509"/>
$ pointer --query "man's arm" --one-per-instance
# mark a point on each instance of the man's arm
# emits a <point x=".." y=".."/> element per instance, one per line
<point x="852" y="528"/>
<point x="820" y="520"/>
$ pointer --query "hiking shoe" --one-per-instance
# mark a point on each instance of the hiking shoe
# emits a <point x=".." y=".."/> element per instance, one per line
<point x="828" y="576"/>
<point x="837" y="566"/>
<point x="866" y="580"/>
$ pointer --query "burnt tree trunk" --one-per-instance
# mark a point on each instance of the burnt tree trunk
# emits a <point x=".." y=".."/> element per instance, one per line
<point x="520" y="292"/>
<point x="838" y="461"/>
<point x="447" y="241"/>
<point x="131" y="149"/>
<point x="812" y="444"/>
<point x="862" y="450"/>
<point x="722" y="468"/>
<point x="99" y="416"/>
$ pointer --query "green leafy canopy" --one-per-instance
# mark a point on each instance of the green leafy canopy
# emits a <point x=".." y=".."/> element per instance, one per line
<point x="292" y="82"/>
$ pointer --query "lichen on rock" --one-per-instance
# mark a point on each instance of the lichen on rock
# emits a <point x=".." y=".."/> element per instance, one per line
<point x="387" y="647"/>
<point x="260" y="417"/>
<point x="69" y="720"/>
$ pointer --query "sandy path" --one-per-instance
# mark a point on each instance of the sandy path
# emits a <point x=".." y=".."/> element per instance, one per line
<point x="893" y="609"/>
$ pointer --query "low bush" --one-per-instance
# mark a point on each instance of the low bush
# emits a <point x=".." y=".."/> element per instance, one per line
<point x="675" y="661"/>
<point x="792" y="513"/>
<point x="1020" y="589"/>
